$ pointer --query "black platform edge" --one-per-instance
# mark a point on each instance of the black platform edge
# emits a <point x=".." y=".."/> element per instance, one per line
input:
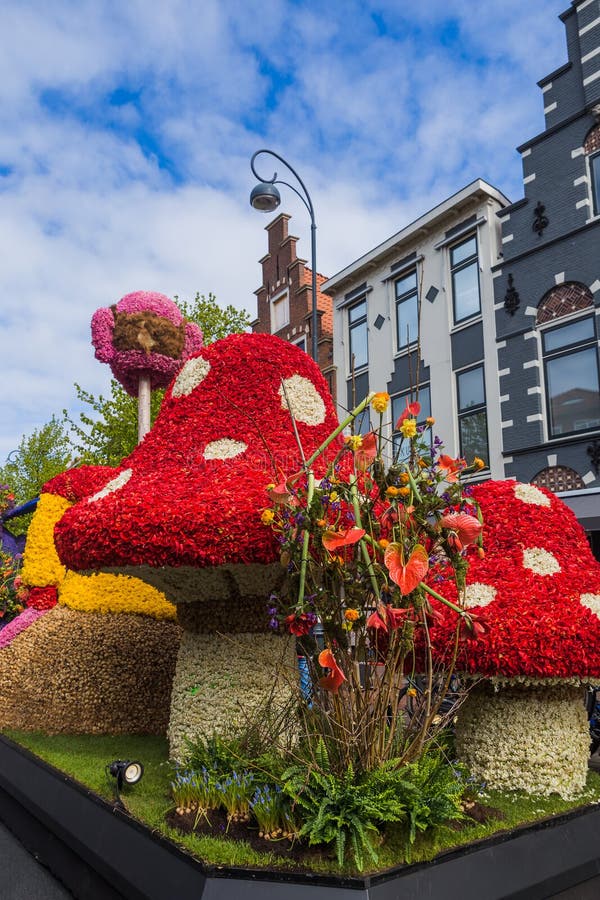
<point x="100" y="853"/>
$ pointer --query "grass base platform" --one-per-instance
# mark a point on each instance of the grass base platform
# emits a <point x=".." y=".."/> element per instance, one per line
<point x="101" y="853"/>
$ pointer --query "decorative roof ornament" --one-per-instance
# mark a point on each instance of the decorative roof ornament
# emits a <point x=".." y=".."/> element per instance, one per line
<point x="512" y="301"/>
<point x="540" y="220"/>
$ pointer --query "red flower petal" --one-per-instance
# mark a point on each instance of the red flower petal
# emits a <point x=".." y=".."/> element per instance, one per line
<point x="335" y="678"/>
<point x="333" y="540"/>
<point x="411" y="412"/>
<point x="408" y="576"/>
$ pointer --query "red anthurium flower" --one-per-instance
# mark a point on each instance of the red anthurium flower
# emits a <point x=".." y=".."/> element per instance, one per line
<point x="408" y="576"/>
<point x="366" y="453"/>
<point x="333" y="540"/>
<point x="451" y="466"/>
<point x="411" y="412"/>
<point x="279" y="493"/>
<point x="335" y="678"/>
<point x="472" y="626"/>
<point x="464" y="529"/>
<point x="375" y="621"/>
<point x="386" y="618"/>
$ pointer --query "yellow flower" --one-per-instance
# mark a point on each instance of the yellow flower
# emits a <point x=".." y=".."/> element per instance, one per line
<point x="380" y="401"/>
<point x="383" y="543"/>
<point x="412" y="692"/>
<point x="354" y="441"/>
<point x="104" y="593"/>
<point x="478" y="463"/>
<point x="351" y="615"/>
<point x="404" y="478"/>
<point x="392" y="491"/>
<point x="267" y="516"/>
<point x="321" y="523"/>
<point x="333" y="496"/>
<point x="409" y="428"/>
<point x="422" y="463"/>
<point x="404" y="491"/>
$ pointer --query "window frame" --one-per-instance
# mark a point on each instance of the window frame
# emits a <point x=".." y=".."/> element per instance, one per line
<point x="593" y="163"/>
<point x="476" y="409"/>
<point x="412" y="294"/>
<point x="283" y="297"/>
<point x="464" y="264"/>
<point x="351" y="326"/>
<point x="590" y="343"/>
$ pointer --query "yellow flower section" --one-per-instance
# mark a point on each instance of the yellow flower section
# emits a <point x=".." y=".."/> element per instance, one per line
<point x="114" y="594"/>
<point x="41" y="565"/>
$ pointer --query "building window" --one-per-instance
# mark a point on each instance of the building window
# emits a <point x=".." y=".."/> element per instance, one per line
<point x="472" y="415"/>
<point x="464" y="269"/>
<point x="399" y="405"/>
<point x="280" y="312"/>
<point x="591" y="148"/>
<point x="595" y="175"/>
<point x="301" y="343"/>
<point x="357" y="334"/>
<point x="571" y="372"/>
<point x="407" y="310"/>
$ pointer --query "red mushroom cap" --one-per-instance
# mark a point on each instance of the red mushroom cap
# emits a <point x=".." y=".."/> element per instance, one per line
<point x="536" y="591"/>
<point x="190" y="496"/>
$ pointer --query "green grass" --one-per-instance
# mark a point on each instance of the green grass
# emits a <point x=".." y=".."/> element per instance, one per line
<point x="84" y="758"/>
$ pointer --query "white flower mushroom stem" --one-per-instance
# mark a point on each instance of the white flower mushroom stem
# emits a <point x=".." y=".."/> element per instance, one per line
<point x="526" y="736"/>
<point x="143" y="407"/>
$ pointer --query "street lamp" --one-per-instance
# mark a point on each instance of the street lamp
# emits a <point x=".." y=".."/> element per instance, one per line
<point x="266" y="198"/>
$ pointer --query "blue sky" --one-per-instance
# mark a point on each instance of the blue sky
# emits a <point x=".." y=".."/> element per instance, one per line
<point x="126" y="131"/>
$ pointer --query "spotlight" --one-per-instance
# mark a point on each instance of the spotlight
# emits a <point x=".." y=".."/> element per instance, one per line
<point x="126" y="771"/>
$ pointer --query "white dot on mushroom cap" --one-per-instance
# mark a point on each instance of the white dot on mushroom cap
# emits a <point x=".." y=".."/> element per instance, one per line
<point x="192" y="374"/>
<point x="225" y="448"/>
<point x="301" y="398"/>
<point x="540" y="561"/>
<point x="478" y="594"/>
<point x="592" y="601"/>
<point x="529" y="493"/>
<point x="112" y="486"/>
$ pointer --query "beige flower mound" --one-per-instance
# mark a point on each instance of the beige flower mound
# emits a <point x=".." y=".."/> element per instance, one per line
<point x="89" y="673"/>
<point x="533" y="739"/>
<point x="223" y="680"/>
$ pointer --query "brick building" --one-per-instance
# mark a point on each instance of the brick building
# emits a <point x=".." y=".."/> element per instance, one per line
<point x="284" y="300"/>
<point x="547" y="287"/>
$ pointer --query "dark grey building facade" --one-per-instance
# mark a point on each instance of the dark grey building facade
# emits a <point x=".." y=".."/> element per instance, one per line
<point x="547" y="287"/>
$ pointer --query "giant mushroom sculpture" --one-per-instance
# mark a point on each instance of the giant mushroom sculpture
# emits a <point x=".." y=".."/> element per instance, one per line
<point x="184" y="514"/>
<point x="536" y="594"/>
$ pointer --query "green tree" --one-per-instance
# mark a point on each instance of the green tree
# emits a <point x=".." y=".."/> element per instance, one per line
<point x="106" y="430"/>
<point x="40" y="456"/>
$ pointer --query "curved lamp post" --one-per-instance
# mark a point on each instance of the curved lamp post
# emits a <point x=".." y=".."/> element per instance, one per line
<point x="266" y="198"/>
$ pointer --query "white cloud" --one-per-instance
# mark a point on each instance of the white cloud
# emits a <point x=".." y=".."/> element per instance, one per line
<point x="383" y="110"/>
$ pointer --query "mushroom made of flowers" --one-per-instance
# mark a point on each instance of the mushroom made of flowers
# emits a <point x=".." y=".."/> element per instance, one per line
<point x="535" y="600"/>
<point x="145" y="340"/>
<point x="184" y="514"/>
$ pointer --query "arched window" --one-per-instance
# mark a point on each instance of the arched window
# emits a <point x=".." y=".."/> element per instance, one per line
<point x="559" y="478"/>
<point x="592" y="151"/>
<point x="570" y="356"/>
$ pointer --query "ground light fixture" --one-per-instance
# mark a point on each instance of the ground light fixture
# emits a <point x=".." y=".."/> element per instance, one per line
<point x="125" y="771"/>
<point x="266" y="198"/>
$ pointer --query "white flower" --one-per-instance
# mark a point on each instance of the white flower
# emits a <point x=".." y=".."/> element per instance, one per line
<point x="478" y="594"/>
<point x="225" y="448"/>
<point x="529" y="493"/>
<point x="540" y="561"/>
<point x="304" y="402"/>
<point x="114" y="485"/>
<point x="592" y="601"/>
<point x="192" y="374"/>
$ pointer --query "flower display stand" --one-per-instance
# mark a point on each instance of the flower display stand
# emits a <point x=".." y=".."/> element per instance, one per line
<point x="100" y="853"/>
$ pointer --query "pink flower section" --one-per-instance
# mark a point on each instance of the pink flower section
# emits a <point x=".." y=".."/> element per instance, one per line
<point x="128" y="365"/>
<point x="19" y="624"/>
<point x="150" y="301"/>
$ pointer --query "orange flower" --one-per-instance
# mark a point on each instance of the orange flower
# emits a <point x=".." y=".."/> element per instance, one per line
<point x="335" y="678"/>
<point x="404" y="491"/>
<point x="478" y="463"/>
<point x="351" y="615"/>
<point x="383" y="543"/>
<point x="430" y="421"/>
<point x="408" y="576"/>
<point x="404" y="478"/>
<point x="392" y="491"/>
<point x="367" y="452"/>
<point x="412" y="409"/>
<point x="451" y="466"/>
<point x="333" y="540"/>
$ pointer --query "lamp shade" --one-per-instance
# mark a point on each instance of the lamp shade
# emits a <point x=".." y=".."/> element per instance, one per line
<point x="265" y="197"/>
